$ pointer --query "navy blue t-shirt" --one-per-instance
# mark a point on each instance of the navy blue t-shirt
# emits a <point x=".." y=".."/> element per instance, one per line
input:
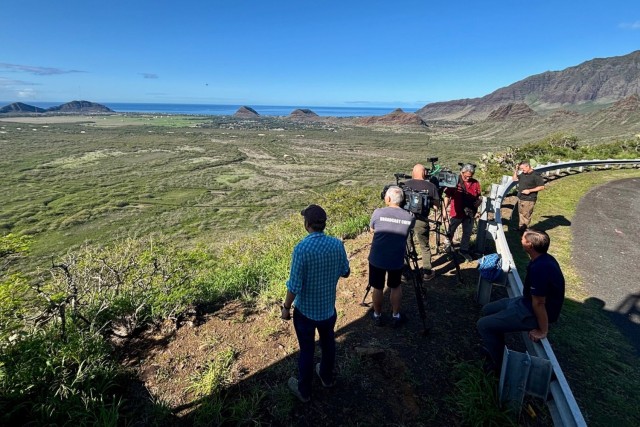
<point x="391" y="227"/>
<point x="545" y="279"/>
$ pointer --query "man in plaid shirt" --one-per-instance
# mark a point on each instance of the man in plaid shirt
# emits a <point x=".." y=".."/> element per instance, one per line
<point x="318" y="261"/>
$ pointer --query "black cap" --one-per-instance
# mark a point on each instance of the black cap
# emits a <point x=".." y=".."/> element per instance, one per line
<point x="314" y="214"/>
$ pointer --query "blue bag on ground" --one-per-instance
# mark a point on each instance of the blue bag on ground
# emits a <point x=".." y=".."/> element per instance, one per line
<point x="490" y="267"/>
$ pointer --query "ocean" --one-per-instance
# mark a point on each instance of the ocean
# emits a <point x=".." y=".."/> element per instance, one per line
<point x="224" y="110"/>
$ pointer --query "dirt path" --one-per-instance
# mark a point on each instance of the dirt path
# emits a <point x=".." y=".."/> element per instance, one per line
<point x="384" y="375"/>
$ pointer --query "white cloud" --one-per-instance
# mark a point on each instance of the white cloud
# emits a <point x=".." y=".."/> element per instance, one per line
<point x="26" y="94"/>
<point x="630" y="25"/>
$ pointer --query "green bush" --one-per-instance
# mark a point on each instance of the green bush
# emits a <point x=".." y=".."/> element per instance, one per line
<point x="554" y="148"/>
<point x="46" y="380"/>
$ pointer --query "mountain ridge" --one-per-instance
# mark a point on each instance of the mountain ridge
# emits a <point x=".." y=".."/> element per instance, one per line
<point x="599" y="81"/>
<point x="72" y="107"/>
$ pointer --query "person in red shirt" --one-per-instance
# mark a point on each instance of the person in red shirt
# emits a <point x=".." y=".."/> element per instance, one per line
<point x="463" y="202"/>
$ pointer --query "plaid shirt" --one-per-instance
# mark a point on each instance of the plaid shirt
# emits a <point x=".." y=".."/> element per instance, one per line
<point x="317" y="263"/>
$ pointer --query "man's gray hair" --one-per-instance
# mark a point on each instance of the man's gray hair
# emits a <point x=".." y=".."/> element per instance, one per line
<point x="468" y="167"/>
<point x="396" y="195"/>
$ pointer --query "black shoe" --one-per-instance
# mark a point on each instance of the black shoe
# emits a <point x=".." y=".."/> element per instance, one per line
<point x="377" y="320"/>
<point x="428" y="275"/>
<point x="396" y="322"/>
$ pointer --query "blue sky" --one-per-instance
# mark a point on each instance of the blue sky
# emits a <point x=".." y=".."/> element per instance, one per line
<point x="270" y="52"/>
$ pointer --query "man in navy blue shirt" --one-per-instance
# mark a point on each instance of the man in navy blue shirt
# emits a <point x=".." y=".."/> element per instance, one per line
<point x="317" y="263"/>
<point x="539" y="305"/>
<point x="390" y="226"/>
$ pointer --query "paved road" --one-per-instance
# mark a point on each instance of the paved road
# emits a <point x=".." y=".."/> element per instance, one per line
<point x="606" y="251"/>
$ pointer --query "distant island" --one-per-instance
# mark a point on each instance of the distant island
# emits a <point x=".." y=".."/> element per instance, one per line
<point x="73" y="107"/>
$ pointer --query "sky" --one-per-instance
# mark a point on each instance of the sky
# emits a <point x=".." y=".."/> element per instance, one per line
<point x="297" y="53"/>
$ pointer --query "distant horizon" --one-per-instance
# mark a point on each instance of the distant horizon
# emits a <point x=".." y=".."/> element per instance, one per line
<point x="344" y="105"/>
<point x="230" y="109"/>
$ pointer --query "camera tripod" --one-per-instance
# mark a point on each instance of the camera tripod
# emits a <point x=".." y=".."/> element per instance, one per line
<point x="439" y="225"/>
<point x="411" y="261"/>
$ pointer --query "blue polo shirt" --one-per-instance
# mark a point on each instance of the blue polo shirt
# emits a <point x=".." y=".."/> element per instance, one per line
<point x="317" y="263"/>
<point x="544" y="279"/>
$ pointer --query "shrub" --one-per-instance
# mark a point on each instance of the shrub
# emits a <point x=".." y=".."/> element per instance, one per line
<point x="46" y="380"/>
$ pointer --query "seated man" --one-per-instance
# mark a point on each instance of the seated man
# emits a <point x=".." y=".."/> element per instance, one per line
<point x="539" y="305"/>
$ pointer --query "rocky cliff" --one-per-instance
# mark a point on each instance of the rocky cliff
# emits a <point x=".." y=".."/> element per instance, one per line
<point x="600" y="81"/>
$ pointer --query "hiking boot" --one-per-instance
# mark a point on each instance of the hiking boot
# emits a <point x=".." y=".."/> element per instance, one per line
<point x="396" y="322"/>
<point x="428" y="275"/>
<point x="293" y="386"/>
<point x="466" y="255"/>
<point x="377" y="320"/>
<point x="326" y="385"/>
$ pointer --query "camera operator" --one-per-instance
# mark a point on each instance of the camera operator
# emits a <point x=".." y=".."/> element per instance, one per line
<point x="390" y="226"/>
<point x="419" y="183"/>
<point x="530" y="183"/>
<point x="463" y="201"/>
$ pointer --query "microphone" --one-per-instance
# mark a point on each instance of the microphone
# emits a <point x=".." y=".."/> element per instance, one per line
<point x="402" y="176"/>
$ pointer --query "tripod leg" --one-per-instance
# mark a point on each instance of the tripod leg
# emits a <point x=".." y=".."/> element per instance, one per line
<point x="452" y="254"/>
<point x="363" y="303"/>
<point x="411" y="258"/>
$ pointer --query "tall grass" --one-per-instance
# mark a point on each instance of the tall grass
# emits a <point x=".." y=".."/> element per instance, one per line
<point x="476" y="398"/>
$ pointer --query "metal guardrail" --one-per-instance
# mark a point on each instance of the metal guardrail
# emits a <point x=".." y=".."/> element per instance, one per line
<point x="562" y="405"/>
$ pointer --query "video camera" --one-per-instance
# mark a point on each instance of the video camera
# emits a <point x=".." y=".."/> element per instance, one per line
<point x="420" y="202"/>
<point x="416" y="202"/>
<point x="439" y="176"/>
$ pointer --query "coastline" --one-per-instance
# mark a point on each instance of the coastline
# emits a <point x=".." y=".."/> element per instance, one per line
<point x="231" y="109"/>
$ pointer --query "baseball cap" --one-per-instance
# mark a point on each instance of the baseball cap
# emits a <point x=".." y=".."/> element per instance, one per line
<point x="314" y="214"/>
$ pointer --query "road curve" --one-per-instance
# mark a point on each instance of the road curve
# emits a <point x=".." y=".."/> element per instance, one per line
<point x="606" y="251"/>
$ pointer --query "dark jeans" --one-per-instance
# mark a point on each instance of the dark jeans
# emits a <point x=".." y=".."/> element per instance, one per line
<point x="306" y="333"/>
<point x="505" y="315"/>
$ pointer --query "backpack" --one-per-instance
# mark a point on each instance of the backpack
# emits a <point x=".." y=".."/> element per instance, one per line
<point x="490" y="267"/>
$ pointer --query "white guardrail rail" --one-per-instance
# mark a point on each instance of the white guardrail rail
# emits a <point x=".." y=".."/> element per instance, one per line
<point x="562" y="405"/>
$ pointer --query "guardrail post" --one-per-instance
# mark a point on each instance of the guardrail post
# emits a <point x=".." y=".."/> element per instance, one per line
<point x="483" y="291"/>
<point x="522" y="373"/>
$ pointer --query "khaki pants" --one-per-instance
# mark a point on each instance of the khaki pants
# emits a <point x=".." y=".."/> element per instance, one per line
<point x="525" y="210"/>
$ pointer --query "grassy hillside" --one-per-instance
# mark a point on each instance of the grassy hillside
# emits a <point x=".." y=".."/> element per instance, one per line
<point x="67" y="183"/>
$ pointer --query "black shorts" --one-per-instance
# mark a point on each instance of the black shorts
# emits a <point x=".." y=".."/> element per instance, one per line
<point x="377" y="275"/>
